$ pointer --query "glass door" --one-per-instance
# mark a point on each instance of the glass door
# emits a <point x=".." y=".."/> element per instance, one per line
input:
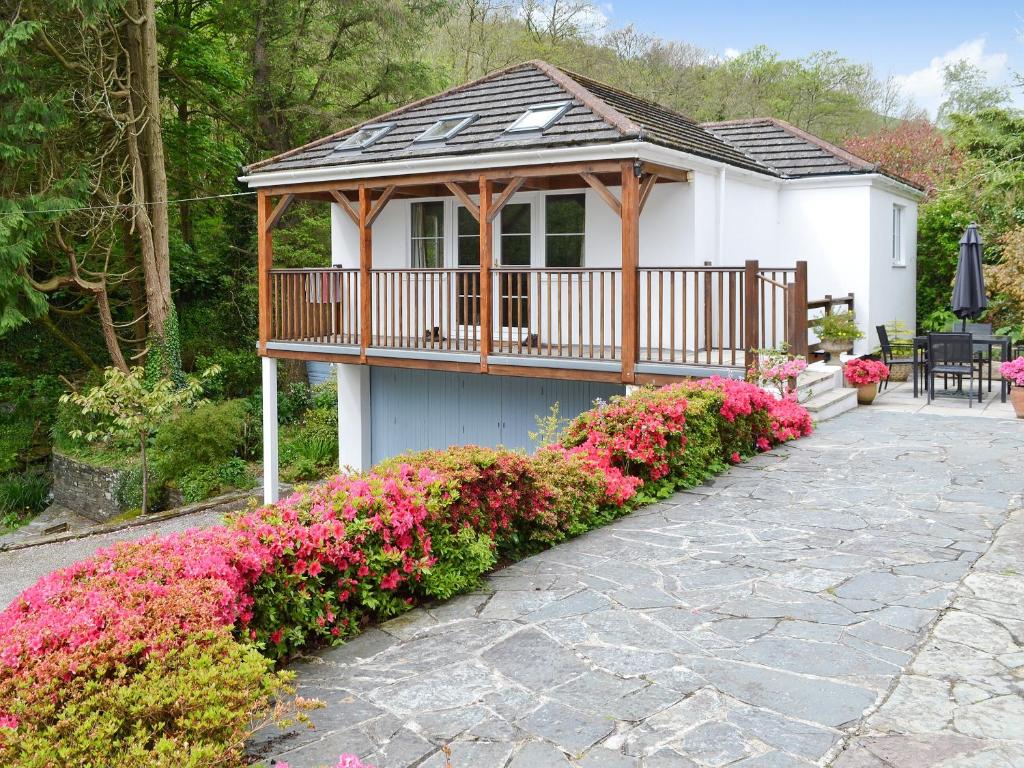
<point x="467" y="284"/>
<point x="514" y="286"/>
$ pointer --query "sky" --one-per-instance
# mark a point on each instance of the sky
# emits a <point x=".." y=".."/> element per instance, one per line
<point x="909" y="40"/>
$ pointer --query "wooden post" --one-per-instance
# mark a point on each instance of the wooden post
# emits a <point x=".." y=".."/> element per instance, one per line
<point x="486" y="257"/>
<point x="751" y="313"/>
<point x="796" y="307"/>
<point x="264" y="261"/>
<point x="365" y="264"/>
<point x="630" y="203"/>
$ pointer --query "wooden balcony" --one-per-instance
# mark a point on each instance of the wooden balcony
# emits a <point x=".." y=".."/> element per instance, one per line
<point x="690" y="321"/>
<point x="626" y="323"/>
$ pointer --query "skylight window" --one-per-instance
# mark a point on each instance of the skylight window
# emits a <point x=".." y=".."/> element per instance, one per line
<point x="539" y="118"/>
<point x="365" y="136"/>
<point x="446" y="127"/>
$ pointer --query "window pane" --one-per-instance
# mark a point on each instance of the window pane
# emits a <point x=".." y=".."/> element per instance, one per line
<point x="564" y="250"/>
<point x="515" y="219"/>
<point x="565" y="214"/>
<point x="445" y="128"/>
<point x="538" y="118"/>
<point x="467" y="224"/>
<point x="515" y="250"/>
<point x="428" y="219"/>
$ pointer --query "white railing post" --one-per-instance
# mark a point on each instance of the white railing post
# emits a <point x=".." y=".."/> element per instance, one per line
<point x="271" y="478"/>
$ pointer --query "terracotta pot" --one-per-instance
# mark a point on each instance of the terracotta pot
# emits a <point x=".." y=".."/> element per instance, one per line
<point x="1017" y="398"/>
<point x="866" y="393"/>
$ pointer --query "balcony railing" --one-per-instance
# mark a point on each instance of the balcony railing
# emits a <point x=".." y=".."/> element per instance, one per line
<point x="685" y="316"/>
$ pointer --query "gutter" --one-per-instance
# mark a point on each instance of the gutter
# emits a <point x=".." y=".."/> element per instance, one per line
<point x="624" y="150"/>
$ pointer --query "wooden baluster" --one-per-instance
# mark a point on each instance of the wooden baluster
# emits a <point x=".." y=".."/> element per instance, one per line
<point x="732" y="317"/>
<point x="615" y="309"/>
<point x="672" y="316"/>
<point x="579" y="319"/>
<point x="721" y="318"/>
<point x="661" y="315"/>
<point x="550" y="340"/>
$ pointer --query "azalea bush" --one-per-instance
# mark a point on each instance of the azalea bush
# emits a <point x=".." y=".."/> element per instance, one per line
<point x="775" y="368"/>
<point x="862" y="371"/>
<point x="160" y="652"/>
<point x="1013" y="371"/>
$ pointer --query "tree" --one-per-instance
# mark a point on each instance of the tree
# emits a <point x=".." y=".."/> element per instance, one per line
<point x="914" y="149"/>
<point x="966" y="89"/>
<point x="94" y="65"/>
<point x="130" y="410"/>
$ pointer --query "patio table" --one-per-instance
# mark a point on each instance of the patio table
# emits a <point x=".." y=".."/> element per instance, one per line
<point x="921" y="343"/>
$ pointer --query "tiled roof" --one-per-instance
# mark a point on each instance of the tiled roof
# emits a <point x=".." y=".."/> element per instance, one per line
<point x="786" y="149"/>
<point x="598" y="114"/>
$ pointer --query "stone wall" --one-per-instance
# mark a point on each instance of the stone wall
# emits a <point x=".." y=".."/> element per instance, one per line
<point x="86" y="489"/>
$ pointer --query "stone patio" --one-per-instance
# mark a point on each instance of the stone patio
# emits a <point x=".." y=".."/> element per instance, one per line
<point x="753" y="622"/>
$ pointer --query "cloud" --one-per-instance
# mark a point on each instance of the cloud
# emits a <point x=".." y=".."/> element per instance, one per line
<point x="731" y="53"/>
<point x="924" y="86"/>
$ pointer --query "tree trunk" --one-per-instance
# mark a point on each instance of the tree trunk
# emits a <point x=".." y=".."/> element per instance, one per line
<point x="145" y="473"/>
<point x="146" y="149"/>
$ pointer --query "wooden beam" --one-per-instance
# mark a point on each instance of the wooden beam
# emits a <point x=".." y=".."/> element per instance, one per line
<point x="603" y="192"/>
<point x="464" y="198"/>
<point x="278" y="212"/>
<point x="346" y="206"/>
<point x="378" y="206"/>
<point x="646" y="186"/>
<point x="486" y="256"/>
<point x="365" y="265"/>
<point x="506" y="194"/>
<point x="630" y="222"/>
<point x="751" y="313"/>
<point x="265" y="260"/>
<point x="668" y="172"/>
<point x="440" y="177"/>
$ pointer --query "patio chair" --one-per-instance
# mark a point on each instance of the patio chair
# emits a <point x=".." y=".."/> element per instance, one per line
<point x="952" y="354"/>
<point x="983" y="329"/>
<point x="887" y="355"/>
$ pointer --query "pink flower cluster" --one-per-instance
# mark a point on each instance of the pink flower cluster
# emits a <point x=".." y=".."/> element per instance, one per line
<point x="861" y="371"/>
<point x="1013" y="371"/>
<point x="768" y="420"/>
<point x="638" y="434"/>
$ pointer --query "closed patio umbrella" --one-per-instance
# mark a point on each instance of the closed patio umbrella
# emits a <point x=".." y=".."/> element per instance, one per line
<point x="969" y="299"/>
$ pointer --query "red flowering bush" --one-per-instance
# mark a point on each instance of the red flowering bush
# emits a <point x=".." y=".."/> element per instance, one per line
<point x="862" y="371"/>
<point x="641" y="434"/>
<point x="96" y="639"/>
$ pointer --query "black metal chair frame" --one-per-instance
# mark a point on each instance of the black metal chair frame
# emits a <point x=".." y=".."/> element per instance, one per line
<point x="983" y="329"/>
<point x="887" y="356"/>
<point x="952" y="354"/>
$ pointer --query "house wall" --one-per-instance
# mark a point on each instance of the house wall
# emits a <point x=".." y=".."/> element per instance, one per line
<point x="750" y="226"/>
<point x="829" y="227"/>
<point x="893" y="288"/>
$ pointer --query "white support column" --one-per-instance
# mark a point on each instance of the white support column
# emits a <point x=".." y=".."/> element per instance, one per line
<point x="271" y="476"/>
<point x="354" y="417"/>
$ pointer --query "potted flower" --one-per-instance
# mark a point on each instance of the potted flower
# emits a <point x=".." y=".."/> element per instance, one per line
<point x="837" y="332"/>
<point x="864" y="374"/>
<point x="1013" y="372"/>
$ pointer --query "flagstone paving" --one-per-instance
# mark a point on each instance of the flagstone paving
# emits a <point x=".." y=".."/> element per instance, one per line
<point x="753" y="622"/>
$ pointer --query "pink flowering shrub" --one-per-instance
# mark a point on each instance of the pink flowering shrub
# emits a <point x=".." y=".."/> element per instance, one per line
<point x="641" y="434"/>
<point x="1013" y="371"/>
<point x="861" y="371"/>
<point x="98" y="637"/>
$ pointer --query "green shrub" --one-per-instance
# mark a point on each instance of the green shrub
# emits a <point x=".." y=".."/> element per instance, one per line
<point x="311" y="447"/>
<point x="702" y="455"/>
<point x="235" y="473"/>
<point x="239" y="372"/>
<point x="192" y="707"/>
<point x="206" y="480"/>
<point x="209" y="435"/>
<point x="293" y="402"/>
<point x="128" y="492"/>
<point x="462" y="558"/>
<point x="21" y="497"/>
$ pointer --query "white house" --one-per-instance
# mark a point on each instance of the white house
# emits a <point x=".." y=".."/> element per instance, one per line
<point x="536" y="236"/>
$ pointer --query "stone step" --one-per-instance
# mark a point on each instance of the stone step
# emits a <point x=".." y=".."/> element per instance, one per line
<point x="817" y="380"/>
<point x="830" y="404"/>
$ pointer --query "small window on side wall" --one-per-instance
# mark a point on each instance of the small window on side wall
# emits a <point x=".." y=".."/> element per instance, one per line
<point x="564" y="227"/>
<point x="899" y="257"/>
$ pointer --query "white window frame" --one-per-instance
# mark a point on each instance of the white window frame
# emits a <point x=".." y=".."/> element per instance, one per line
<point x="560" y="107"/>
<point x="464" y="119"/>
<point x="544" y="225"/>
<point x="446" y="235"/>
<point x="899" y="250"/>
<point x="382" y="130"/>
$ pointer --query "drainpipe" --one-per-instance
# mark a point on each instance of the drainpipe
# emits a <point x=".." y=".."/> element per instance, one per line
<point x="720" y="219"/>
